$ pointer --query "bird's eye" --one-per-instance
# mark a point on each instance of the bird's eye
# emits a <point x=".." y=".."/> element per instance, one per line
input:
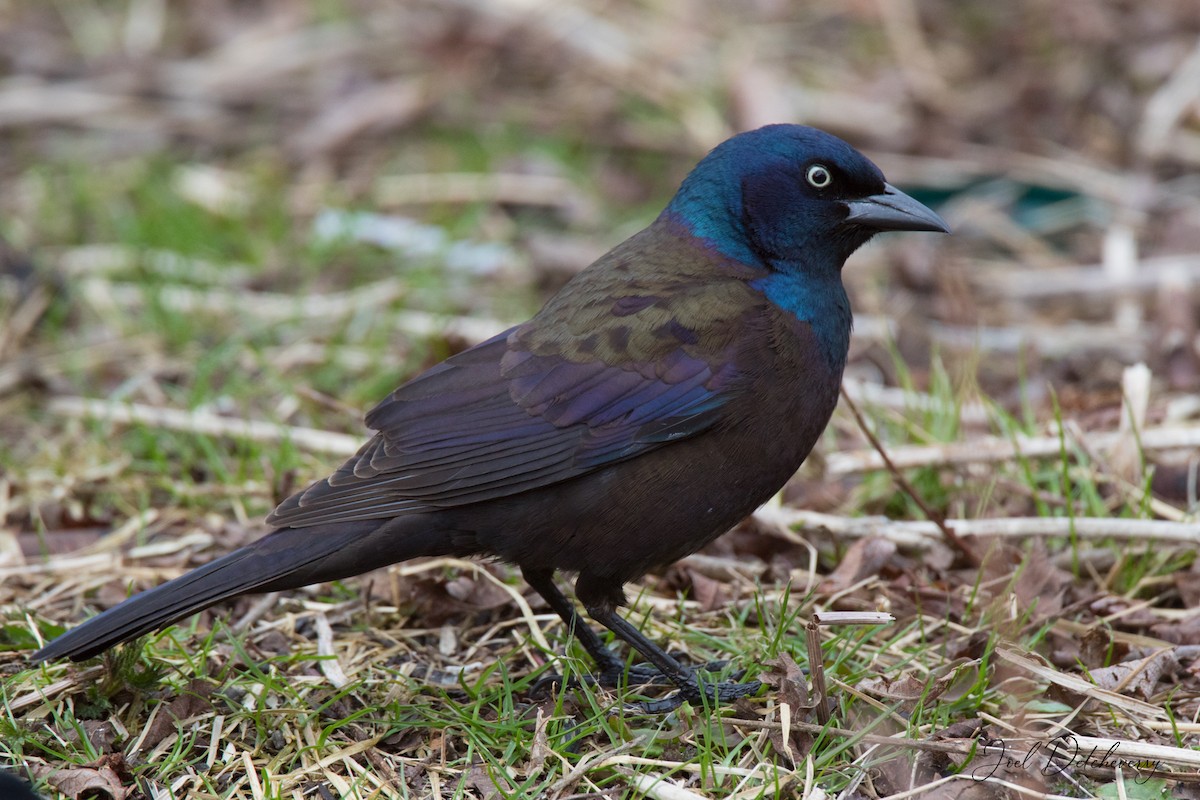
<point x="818" y="176"/>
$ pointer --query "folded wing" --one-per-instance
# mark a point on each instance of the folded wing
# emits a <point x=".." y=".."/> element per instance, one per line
<point x="497" y="420"/>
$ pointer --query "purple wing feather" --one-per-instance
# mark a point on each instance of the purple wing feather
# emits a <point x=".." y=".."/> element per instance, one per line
<point x="496" y="420"/>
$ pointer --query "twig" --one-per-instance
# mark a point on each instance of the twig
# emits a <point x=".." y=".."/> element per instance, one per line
<point x="93" y="260"/>
<point x="938" y="519"/>
<point x="44" y="693"/>
<point x="1050" y="341"/>
<point x="592" y="761"/>
<point x="330" y="668"/>
<point x="1137" y="709"/>
<point x="202" y="422"/>
<point x="1167" y="107"/>
<point x="992" y="449"/>
<point x="913" y="57"/>
<point x="897" y="399"/>
<point x="1120" y="263"/>
<point x="25" y="103"/>
<point x="267" y="305"/>
<point x="467" y="187"/>
<point x="658" y="787"/>
<point x="1080" y="281"/>
<point x="920" y="531"/>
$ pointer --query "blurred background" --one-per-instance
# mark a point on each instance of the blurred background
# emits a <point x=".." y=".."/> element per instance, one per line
<point x="279" y="210"/>
<point x="205" y="197"/>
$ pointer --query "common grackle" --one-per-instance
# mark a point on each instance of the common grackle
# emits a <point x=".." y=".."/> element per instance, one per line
<point x="662" y="395"/>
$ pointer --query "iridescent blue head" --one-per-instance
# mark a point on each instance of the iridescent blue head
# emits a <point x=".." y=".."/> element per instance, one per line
<point x="798" y="202"/>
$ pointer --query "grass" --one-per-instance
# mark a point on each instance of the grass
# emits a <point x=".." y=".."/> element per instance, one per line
<point x="429" y="684"/>
<point x="423" y="680"/>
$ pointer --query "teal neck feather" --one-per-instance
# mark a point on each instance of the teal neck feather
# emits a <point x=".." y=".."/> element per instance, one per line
<point x="813" y="293"/>
<point x="818" y="298"/>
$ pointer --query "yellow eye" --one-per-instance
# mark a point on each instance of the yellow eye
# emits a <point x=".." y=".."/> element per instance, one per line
<point x="818" y="176"/>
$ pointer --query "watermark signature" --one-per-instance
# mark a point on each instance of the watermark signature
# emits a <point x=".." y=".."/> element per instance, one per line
<point x="1055" y="757"/>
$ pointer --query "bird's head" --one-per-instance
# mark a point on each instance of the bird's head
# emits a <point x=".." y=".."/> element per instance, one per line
<point x="789" y="194"/>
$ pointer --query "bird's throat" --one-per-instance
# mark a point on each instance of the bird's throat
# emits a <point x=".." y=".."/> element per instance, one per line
<point x="819" y="299"/>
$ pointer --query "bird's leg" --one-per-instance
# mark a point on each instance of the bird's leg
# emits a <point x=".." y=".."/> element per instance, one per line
<point x="611" y="667"/>
<point x="690" y="688"/>
<point x="542" y="582"/>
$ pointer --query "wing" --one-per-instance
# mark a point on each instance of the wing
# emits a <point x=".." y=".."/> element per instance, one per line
<point x="500" y="419"/>
<point x="622" y="361"/>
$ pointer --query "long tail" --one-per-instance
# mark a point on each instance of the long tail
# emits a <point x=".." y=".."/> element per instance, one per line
<point x="284" y="559"/>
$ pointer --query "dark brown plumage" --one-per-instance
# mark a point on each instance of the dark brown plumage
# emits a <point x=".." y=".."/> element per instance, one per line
<point x="659" y="398"/>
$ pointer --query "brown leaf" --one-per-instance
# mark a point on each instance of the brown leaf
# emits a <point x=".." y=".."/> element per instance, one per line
<point x="435" y="601"/>
<point x="488" y="784"/>
<point x="1146" y="680"/>
<point x="101" y="733"/>
<point x="866" y="557"/>
<point x="477" y="593"/>
<point x="789" y="680"/>
<point x="1095" y="646"/>
<point x="908" y="690"/>
<point x="1135" y="619"/>
<point x="1041" y="584"/>
<point x="79" y="782"/>
<point x="1188" y="585"/>
<point x="191" y="701"/>
<point x="963" y="729"/>
<point x="708" y="592"/>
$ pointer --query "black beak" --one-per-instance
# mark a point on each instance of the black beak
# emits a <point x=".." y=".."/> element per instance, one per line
<point x="893" y="210"/>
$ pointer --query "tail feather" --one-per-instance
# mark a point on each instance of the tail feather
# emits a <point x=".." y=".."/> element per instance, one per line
<point x="286" y="558"/>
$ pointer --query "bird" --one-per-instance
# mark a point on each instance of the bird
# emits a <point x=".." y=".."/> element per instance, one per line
<point x="663" y="394"/>
<point x="14" y="788"/>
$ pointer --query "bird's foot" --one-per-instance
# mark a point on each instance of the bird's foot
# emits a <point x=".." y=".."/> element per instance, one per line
<point x="696" y="694"/>
<point x="610" y="676"/>
<point x="613" y="674"/>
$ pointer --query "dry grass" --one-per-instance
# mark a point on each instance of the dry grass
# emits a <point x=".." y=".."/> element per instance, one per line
<point x="194" y="312"/>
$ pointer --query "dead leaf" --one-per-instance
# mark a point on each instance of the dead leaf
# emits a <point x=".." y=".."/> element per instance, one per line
<point x="866" y="557"/>
<point x="709" y="593"/>
<point x="1140" y="675"/>
<point x="908" y="690"/>
<point x="1041" y="585"/>
<point x="101" y="733"/>
<point x="191" y="701"/>
<point x="94" y="783"/>
<point x="963" y="729"/>
<point x="477" y="594"/>
<point x="791" y="684"/>
<point x="488" y="785"/>
<point x="434" y="601"/>
<point x="1188" y="585"/>
<point x="540" y="747"/>
<point x="1095" y="646"/>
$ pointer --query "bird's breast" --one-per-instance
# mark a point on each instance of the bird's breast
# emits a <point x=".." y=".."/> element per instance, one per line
<point x="792" y="389"/>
